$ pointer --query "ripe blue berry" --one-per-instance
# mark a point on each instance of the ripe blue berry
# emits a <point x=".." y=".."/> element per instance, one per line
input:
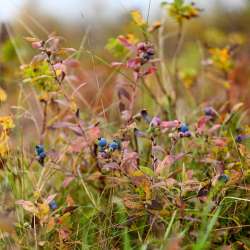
<point x="53" y="205"/>
<point x="239" y="138"/>
<point x="41" y="158"/>
<point x="114" y="145"/>
<point x="209" y="111"/>
<point x="102" y="142"/>
<point x="40" y="149"/>
<point x="183" y="128"/>
<point x="42" y="155"/>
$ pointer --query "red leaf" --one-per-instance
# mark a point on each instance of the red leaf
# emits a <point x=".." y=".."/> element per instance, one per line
<point x="78" y="145"/>
<point x="150" y="70"/>
<point x="220" y="142"/>
<point x="168" y="161"/>
<point x="72" y="63"/>
<point x="214" y="128"/>
<point x="59" y="66"/>
<point x="64" y="234"/>
<point x="68" y="180"/>
<point x="134" y="63"/>
<point x="202" y="124"/>
<point x="170" y="124"/>
<point x="130" y="162"/>
<point x="94" y="133"/>
<point x="37" y="44"/>
<point x="124" y="41"/>
<point x="117" y="64"/>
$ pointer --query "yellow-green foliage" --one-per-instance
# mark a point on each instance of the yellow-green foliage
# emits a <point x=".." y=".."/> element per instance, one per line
<point x="40" y="75"/>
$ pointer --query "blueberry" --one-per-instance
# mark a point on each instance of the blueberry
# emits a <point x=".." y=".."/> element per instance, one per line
<point x="183" y="128"/>
<point x="156" y="121"/>
<point x="102" y="142"/>
<point x="53" y="205"/>
<point x="223" y="178"/>
<point x="239" y="138"/>
<point x="145" y="115"/>
<point x="150" y="51"/>
<point x="187" y="134"/>
<point x="114" y="145"/>
<point x="41" y="158"/>
<point x="42" y="155"/>
<point x="146" y="57"/>
<point x="209" y="111"/>
<point x="39" y="149"/>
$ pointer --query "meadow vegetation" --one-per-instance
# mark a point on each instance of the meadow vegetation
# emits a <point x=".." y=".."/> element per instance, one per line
<point x="165" y="165"/>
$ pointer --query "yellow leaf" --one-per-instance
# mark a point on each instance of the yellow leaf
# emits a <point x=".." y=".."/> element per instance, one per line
<point x="3" y="95"/>
<point x="37" y="195"/>
<point x="226" y="85"/>
<point x="44" y="97"/>
<point x="131" y="38"/>
<point x="137" y="173"/>
<point x="147" y="190"/>
<point x="73" y="106"/>
<point x="155" y="26"/>
<point x="138" y="18"/>
<point x="6" y="122"/>
<point x="43" y="210"/>
<point x="4" y="146"/>
<point x="58" y="72"/>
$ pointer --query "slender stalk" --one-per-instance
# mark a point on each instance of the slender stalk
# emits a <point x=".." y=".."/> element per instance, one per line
<point x="177" y="50"/>
<point x="158" y="78"/>
<point x="44" y="125"/>
<point x="166" y="77"/>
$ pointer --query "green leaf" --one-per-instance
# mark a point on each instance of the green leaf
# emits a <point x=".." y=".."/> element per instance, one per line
<point x="8" y="51"/>
<point x="148" y="171"/>
<point x="116" y="48"/>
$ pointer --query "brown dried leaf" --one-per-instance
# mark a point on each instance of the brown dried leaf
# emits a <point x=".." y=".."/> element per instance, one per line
<point x="28" y="206"/>
<point x="132" y="203"/>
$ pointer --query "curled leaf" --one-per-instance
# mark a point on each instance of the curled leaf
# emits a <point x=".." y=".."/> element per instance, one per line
<point x="138" y="18"/>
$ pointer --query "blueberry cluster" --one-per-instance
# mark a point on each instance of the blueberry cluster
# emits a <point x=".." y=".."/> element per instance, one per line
<point x="145" y="51"/>
<point x="103" y="144"/>
<point x="41" y="154"/>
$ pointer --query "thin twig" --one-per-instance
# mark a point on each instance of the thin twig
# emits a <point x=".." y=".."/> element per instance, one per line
<point x="44" y="125"/>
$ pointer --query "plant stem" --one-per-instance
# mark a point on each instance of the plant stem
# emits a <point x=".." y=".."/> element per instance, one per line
<point x="44" y="125"/>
